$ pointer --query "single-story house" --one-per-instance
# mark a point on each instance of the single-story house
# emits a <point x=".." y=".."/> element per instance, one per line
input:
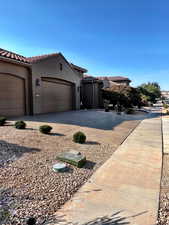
<point x="165" y="94"/>
<point x="91" y="89"/>
<point x="116" y="80"/>
<point x="40" y="84"/>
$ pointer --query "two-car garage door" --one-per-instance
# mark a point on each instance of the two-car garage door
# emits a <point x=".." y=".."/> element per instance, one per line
<point x="12" y="96"/>
<point x="57" y="95"/>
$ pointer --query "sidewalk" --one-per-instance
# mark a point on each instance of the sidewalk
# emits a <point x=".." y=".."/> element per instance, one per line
<point x="165" y="120"/>
<point x="125" y="190"/>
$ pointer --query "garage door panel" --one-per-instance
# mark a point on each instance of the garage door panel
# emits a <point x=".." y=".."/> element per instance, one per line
<point x="57" y="97"/>
<point x="12" y="98"/>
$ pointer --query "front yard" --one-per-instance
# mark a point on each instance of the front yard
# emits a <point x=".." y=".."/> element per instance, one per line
<point x="29" y="186"/>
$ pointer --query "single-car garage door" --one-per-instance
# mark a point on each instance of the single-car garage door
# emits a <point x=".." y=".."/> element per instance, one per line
<point x="12" y="98"/>
<point x="57" y="95"/>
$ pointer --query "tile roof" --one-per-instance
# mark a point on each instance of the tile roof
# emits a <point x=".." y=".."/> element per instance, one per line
<point x="34" y="59"/>
<point x="112" y="78"/>
<point x="11" y="55"/>
<point x="109" y="78"/>
<point x="78" y="68"/>
<point x="87" y="75"/>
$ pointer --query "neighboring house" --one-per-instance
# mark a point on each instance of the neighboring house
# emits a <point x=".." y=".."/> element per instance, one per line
<point x="108" y="81"/>
<point x="165" y="94"/>
<point x="40" y="84"/>
<point x="91" y="89"/>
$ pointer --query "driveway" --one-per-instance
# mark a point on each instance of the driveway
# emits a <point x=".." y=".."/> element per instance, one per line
<point x="86" y="118"/>
<point x="97" y="124"/>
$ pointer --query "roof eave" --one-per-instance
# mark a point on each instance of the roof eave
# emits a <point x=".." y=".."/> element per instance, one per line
<point x="79" y="68"/>
<point x="15" y="61"/>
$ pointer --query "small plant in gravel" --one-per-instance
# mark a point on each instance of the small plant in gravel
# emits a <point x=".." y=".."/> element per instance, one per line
<point x="2" y="120"/>
<point x="79" y="137"/>
<point x="45" y="129"/>
<point x="20" y="124"/>
<point x="31" y="221"/>
<point x="129" y="111"/>
<point x="4" y="215"/>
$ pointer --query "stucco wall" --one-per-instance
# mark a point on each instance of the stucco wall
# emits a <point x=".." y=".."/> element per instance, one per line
<point x="20" y="71"/>
<point x="50" y="68"/>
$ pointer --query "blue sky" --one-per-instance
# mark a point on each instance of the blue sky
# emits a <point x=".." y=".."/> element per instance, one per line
<point x="108" y="37"/>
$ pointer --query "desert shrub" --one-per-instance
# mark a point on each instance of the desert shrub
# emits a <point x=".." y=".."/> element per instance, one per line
<point x="79" y="137"/>
<point x="165" y="106"/>
<point x="45" y="129"/>
<point x="2" y="120"/>
<point x="167" y="112"/>
<point x="20" y="124"/>
<point x="129" y="111"/>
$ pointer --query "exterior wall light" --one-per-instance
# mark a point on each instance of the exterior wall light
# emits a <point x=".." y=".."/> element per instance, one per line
<point x="78" y="88"/>
<point x="37" y="82"/>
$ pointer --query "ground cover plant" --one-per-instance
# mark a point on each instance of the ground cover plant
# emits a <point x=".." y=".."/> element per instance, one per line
<point x="79" y="137"/>
<point x="45" y="129"/>
<point x="2" y="120"/>
<point x="20" y="124"/>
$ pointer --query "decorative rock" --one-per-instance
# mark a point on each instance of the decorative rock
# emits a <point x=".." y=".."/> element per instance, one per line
<point x="59" y="167"/>
<point x="74" y="159"/>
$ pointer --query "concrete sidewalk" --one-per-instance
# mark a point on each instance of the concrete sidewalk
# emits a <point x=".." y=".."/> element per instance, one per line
<point x="125" y="190"/>
<point x="165" y="124"/>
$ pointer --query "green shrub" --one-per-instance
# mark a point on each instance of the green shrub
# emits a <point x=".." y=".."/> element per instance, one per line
<point x="20" y="124"/>
<point x="2" y="120"/>
<point x="79" y="137"/>
<point x="45" y="129"/>
<point x="129" y="111"/>
<point x="165" y="106"/>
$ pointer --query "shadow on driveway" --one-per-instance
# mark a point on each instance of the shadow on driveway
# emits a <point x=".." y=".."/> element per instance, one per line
<point x="88" y="118"/>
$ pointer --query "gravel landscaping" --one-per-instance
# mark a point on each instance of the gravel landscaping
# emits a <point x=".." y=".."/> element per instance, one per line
<point x="29" y="186"/>
<point x="164" y="195"/>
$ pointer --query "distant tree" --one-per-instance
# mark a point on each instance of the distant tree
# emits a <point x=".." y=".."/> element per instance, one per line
<point x="150" y="91"/>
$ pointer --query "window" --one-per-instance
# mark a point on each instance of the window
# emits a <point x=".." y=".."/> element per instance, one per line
<point x="61" y="66"/>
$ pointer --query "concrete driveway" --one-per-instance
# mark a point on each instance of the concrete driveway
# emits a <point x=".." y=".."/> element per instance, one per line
<point x="86" y="118"/>
<point x="99" y="126"/>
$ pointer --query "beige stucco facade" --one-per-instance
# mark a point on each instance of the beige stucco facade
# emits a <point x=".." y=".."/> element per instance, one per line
<point x="50" y="68"/>
<point x="48" y="83"/>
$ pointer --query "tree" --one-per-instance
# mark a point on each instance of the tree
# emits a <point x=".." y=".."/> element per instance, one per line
<point x="122" y="96"/>
<point x="150" y="91"/>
